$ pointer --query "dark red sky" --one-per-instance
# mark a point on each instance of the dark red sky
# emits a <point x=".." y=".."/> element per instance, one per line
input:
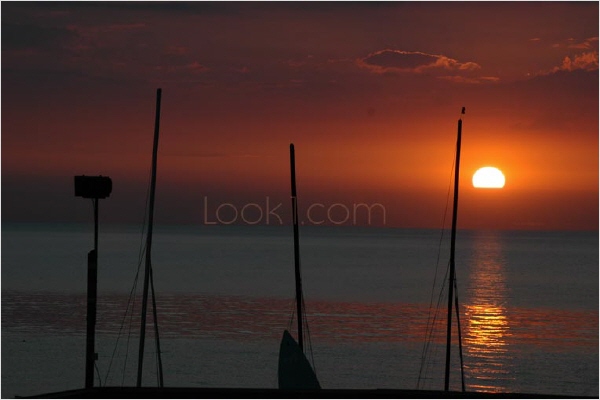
<point x="369" y="92"/>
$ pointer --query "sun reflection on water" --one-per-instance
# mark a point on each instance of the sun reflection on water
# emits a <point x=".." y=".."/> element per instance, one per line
<point x="488" y="363"/>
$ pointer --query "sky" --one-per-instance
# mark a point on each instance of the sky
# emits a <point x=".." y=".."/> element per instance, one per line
<point x="369" y="93"/>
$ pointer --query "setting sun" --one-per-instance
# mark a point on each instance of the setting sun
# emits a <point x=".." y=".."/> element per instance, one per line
<point x="488" y="178"/>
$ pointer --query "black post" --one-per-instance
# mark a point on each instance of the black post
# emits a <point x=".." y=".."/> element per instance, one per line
<point x="452" y="264"/>
<point x="95" y="201"/>
<point x="296" y="248"/>
<point x="90" y="354"/>
<point x="92" y="289"/>
<point x="95" y="188"/>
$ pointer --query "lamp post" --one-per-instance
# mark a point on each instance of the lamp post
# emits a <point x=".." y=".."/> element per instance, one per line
<point x="95" y="188"/>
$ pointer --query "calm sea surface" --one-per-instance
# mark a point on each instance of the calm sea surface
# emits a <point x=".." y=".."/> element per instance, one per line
<point x="528" y="307"/>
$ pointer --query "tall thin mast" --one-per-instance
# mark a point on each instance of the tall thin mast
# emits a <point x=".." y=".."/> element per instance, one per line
<point x="296" y="247"/>
<point x="452" y="251"/>
<point x="149" y="240"/>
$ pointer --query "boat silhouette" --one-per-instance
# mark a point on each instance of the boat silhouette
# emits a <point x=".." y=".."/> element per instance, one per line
<point x="295" y="371"/>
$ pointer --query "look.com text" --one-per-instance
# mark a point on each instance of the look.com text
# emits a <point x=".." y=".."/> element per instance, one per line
<point x="269" y="212"/>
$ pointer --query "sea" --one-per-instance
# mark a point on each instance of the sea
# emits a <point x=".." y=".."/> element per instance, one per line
<point x="376" y="304"/>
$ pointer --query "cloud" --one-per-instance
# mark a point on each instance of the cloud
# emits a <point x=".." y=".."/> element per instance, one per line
<point x="193" y="66"/>
<point x="189" y="152"/>
<point x="581" y="56"/>
<point x="391" y="61"/>
<point x="475" y="80"/>
<point x="489" y="79"/>
<point x="399" y="61"/>
<point x="586" y="61"/>
<point x="588" y="43"/>
<point x="460" y="79"/>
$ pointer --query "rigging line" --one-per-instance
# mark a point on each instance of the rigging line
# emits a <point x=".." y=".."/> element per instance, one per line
<point x="116" y="343"/>
<point x="460" y="352"/>
<point x="312" y="356"/>
<point x="128" y="340"/>
<point x="303" y="308"/>
<point x="293" y="307"/>
<point x="430" y="364"/>
<point x="431" y="329"/>
<point x="141" y="254"/>
<point x="156" y="364"/>
<point x="156" y="336"/>
<point x="98" y="374"/>
<point x="437" y="260"/>
<point x="131" y="303"/>
<point x="430" y="321"/>
<point x="440" y="332"/>
<point x="127" y="349"/>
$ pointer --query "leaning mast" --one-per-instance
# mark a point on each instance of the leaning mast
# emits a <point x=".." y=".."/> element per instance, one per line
<point x="148" y="269"/>
<point x="296" y="247"/>
<point x="452" y="274"/>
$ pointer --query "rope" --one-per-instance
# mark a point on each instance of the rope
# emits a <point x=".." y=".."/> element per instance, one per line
<point x="431" y="330"/>
<point x="131" y="299"/>
<point x="431" y="322"/>
<point x="306" y="337"/>
<point x="305" y="322"/>
<point x="156" y="336"/>
<point x="460" y="352"/>
<point x="291" y="321"/>
<point x="132" y="304"/>
<point x="98" y="373"/>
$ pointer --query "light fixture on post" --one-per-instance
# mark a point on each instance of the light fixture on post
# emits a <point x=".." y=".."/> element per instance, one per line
<point x="95" y="188"/>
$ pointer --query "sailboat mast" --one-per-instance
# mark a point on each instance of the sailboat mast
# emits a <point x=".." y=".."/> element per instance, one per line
<point x="296" y="248"/>
<point x="149" y="240"/>
<point x="452" y="252"/>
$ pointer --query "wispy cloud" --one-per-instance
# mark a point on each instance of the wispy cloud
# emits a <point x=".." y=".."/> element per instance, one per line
<point x="475" y="80"/>
<point x="390" y="61"/>
<point x="209" y="155"/>
<point x="588" y="43"/>
<point x="400" y="61"/>
<point x="193" y="66"/>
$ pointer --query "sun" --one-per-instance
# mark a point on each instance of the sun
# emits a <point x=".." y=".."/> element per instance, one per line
<point x="488" y="178"/>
